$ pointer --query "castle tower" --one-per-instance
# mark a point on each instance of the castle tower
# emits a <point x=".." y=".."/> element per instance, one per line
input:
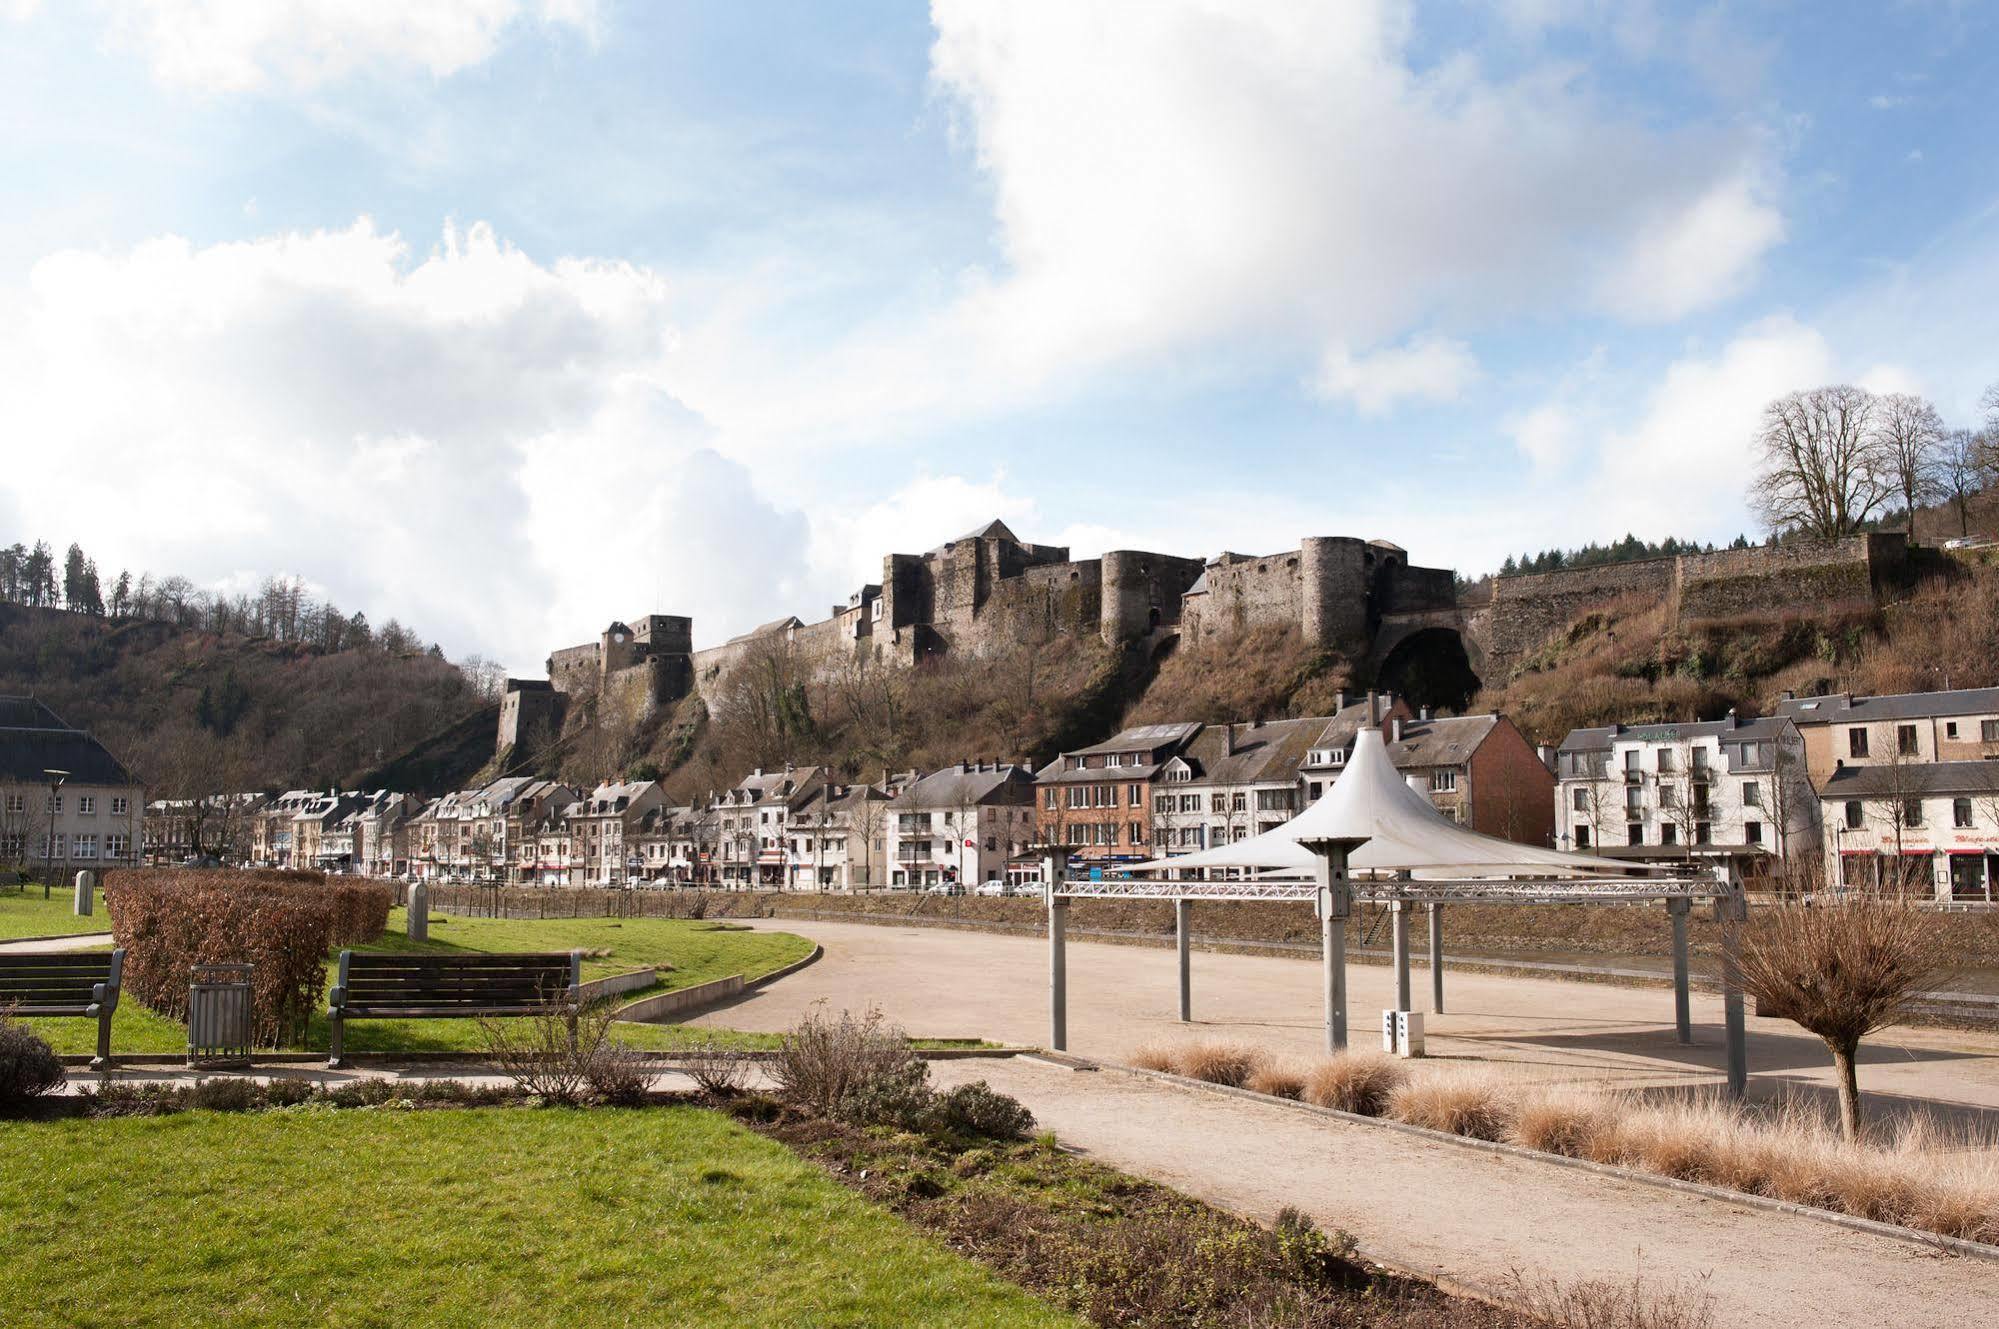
<point x="1333" y="591"/>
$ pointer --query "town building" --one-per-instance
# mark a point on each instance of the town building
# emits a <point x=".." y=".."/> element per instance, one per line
<point x="1847" y="730"/>
<point x="1229" y="782"/>
<point x="65" y="801"/>
<point x="1097" y="800"/>
<point x="1929" y="830"/>
<point x="755" y="822"/>
<point x="603" y="831"/>
<point x="961" y="826"/>
<point x="1729" y="787"/>
<point x="839" y="839"/>
<point x="199" y="830"/>
<point x="271" y="828"/>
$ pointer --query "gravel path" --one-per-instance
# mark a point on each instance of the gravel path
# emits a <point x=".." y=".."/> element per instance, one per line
<point x="1479" y="1218"/>
<point x="951" y="983"/>
<point x="55" y="945"/>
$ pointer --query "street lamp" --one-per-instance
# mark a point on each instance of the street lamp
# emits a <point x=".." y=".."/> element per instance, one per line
<point x="55" y="779"/>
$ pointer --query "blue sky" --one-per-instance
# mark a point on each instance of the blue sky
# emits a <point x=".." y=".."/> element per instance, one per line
<point x="510" y="316"/>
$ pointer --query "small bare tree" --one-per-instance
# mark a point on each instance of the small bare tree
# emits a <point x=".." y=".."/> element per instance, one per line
<point x="1961" y="472"/>
<point x="1910" y="435"/>
<point x="1821" y="467"/>
<point x="1842" y="971"/>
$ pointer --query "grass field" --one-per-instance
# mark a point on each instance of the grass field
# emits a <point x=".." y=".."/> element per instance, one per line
<point x="697" y="952"/>
<point x="24" y="913"/>
<point x="475" y="1218"/>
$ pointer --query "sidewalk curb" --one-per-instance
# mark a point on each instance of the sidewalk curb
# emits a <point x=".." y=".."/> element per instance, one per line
<point x="1865" y="1226"/>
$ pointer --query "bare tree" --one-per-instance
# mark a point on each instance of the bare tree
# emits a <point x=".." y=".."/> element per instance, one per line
<point x="1842" y="971"/>
<point x="1961" y="472"/>
<point x="1911" y="437"/>
<point x="1822" y="469"/>
<point x="869" y="819"/>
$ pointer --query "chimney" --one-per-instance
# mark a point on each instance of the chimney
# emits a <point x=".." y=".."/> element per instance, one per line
<point x="1788" y="695"/>
<point x="1395" y="730"/>
<point x="1228" y="740"/>
<point x="1733" y="722"/>
<point x="1340" y="700"/>
<point x="1547" y="755"/>
<point x="758" y="773"/>
<point x="1424" y="714"/>
<point x="1373" y="709"/>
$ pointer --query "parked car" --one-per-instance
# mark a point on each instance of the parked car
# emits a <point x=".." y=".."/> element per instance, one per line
<point x="994" y="888"/>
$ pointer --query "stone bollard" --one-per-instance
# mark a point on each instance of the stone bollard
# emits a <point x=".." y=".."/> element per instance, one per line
<point x="419" y="912"/>
<point x="86" y="892"/>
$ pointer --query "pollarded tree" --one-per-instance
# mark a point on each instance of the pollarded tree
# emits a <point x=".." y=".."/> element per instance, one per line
<point x="1821" y="467"/>
<point x="1911" y="436"/>
<point x="1842" y="970"/>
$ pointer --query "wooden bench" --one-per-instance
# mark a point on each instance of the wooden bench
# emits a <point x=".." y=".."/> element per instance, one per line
<point x="83" y="983"/>
<point x="420" y="987"/>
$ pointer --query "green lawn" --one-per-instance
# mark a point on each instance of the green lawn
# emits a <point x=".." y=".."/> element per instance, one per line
<point x="698" y="952"/>
<point x="24" y="913"/>
<point x="671" y="1216"/>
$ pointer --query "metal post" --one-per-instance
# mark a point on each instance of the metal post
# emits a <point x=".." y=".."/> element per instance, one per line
<point x="1731" y="910"/>
<point x="1058" y="960"/>
<point x="1399" y="931"/>
<point x="1683" y="1020"/>
<point x="1182" y="927"/>
<point x="1437" y="958"/>
<point x="1335" y="904"/>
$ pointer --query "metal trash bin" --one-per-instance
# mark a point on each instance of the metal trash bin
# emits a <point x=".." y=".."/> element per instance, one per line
<point x="218" y="1016"/>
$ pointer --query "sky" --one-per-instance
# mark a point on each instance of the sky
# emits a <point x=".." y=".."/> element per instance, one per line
<point x="507" y="318"/>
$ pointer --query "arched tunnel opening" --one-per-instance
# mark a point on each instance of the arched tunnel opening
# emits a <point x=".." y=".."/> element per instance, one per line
<point x="1430" y="668"/>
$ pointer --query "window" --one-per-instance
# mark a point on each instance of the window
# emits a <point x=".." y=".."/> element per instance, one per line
<point x="1752" y="794"/>
<point x="1190" y="802"/>
<point x="1960" y="813"/>
<point x="1752" y="832"/>
<point x="1988" y="731"/>
<point x="1856" y="742"/>
<point x="1049" y="802"/>
<point x="16" y="802"/>
<point x="1579" y="799"/>
<point x="1912" y="812"/>
<point x="1634" y="833"/>
<point x="1854" y="816"/>
<point x="1666" y="762"/>
<point x="1582" y="837"/>
<point x="86" y="804"/>
<point x="1669" y="795"/>
<point x="117" y="845"/>
<point x="1443" y="781"/>
<point x="1634" y="801"/>
<point x="1703" y="833"/>
<point x="1700" y="756"/>
<point x="1162" y="803"/>
<point x="1239" y="803"/>
<point x="1135" y="833"/>
<point x="1950" y="729"/>
<point x="1669" y="833"/>
<point x="1752" y="754"/>
<point x="86" y="846"/>
<point x="1905" y="740"/>
<point x="1312" y="790"/>
<point x="1134" y="795"/>
<point x="1631" y="770"/>
<point x="54" y="803"/>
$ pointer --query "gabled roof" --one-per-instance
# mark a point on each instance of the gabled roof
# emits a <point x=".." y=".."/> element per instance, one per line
<point x="991" y="530"/>
<point x="954" y="786"/>
<point x="1448" y="740"/>
<point x="34" y="739"/>
<point x="1843" y="707"/>
<point x="1262" y="753"/>
<point x="1142" y="738"/>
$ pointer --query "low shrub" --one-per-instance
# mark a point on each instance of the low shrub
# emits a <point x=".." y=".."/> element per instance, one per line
<point x="28" y="1066"/>
<point x="1573" y="1123"/>
<point x="897" y="1094"/>
<point x="618" y="1074"/>
<point x="717" y="1071"/>
<point x="1357" y="1082"/>
<point x="1278" y="1079"/>
<point x="979" y="1109"/>
<point x="1474" y="1104"/>
<point x="1226" y="1063"/>
<point x="822" y="1064"/>
<point x="1157" y="1057"/>
<point x="562" y="1056"/>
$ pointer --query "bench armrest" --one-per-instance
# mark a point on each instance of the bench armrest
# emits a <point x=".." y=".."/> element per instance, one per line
<point x="336" y="997"/>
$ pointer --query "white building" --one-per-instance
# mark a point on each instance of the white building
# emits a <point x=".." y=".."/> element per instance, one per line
<point x="960" y="826"/>
<point x="1928" y="828"/>
<point x="64" y="800"/>
<point x="1718" y="786"/>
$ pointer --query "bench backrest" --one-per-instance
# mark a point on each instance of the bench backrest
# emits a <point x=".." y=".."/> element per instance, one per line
<point x="471" y="981"/>
<point x="55" y="981"/>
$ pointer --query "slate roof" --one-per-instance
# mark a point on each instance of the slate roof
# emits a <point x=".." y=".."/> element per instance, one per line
<point x="1600" y="738"/>
<point x="1448" y="740"/>
<point x="956" y="787"/>
<point x="1842" y="707"/>
<point x="1913" y="778"/>
<point x="34" y="738"/>
<point x="1264" y="753"/>
<point x="1143" y="738"/>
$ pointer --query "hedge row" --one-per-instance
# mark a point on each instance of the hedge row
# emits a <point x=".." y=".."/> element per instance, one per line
<point x="282" y="923"/>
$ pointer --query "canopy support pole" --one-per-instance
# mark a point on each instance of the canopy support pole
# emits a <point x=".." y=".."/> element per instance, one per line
<point x="1683" y="1019"/>
<point x="1058" y="959"/>
<point x="1399" y="931"/>
<point x="1182" y="932"/>
<point x="1731" y="910"/>
<point x="1335" y="903"/>
<point x="1437" y="958"/>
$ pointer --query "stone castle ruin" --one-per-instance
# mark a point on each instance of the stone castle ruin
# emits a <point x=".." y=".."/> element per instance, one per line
<point x="989" y="592"/>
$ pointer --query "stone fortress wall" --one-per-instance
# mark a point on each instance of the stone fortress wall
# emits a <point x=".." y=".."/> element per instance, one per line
<point x="989" y="592"/>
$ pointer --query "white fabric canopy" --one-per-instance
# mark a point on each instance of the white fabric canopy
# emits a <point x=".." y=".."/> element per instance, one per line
<point x="1404" y="833"/>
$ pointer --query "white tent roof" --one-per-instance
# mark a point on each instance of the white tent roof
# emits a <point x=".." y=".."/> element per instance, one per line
<point x="1404" y="833"/>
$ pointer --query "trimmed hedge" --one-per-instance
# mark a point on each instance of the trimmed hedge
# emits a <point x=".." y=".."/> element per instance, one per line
<point x="282" y="923"/>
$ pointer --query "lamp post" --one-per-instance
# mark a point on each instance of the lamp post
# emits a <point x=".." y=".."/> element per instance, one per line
<point x="55" y="779"/>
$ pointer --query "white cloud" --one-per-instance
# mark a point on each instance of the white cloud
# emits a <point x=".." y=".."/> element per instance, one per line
<point x="242" y="45"/>
<point x="1882" y="101"/>
<point x="1696" y="253"/>
<point x="1168" y="175"/>
<point x="1545" y="435"/>
<point x="484" y="446"/>
<point x="1431" y="368"/>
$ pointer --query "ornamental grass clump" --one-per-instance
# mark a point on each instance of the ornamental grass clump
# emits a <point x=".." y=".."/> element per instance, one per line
<point x="1220" y="1062"/>
<point x="1357" y="1082"/>
<point x="1474" y="1104"/>
<point x="1278" y="1079"/>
